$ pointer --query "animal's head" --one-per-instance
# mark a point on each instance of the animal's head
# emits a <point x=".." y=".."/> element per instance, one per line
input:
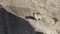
<point x="37" y="16"/>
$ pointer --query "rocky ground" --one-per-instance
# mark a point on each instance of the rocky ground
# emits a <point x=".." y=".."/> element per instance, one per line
<point x="49" y="12"/>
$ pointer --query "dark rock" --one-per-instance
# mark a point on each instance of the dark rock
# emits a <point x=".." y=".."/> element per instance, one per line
<point x="11" y="24"/>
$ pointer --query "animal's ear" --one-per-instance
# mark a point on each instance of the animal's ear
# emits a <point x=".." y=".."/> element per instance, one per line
<point x="33" y="14"/>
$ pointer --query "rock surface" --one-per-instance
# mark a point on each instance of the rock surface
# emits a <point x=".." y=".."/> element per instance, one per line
<point x="12" y="24"/>
<point x="49" y="10"/>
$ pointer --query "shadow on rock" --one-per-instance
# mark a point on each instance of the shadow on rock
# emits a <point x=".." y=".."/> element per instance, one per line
<point x="39" y="33"/>
<point x="11" y="24"/>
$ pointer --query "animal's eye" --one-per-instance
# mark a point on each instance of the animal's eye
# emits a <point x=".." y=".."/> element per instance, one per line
<point x="38" y="18"/>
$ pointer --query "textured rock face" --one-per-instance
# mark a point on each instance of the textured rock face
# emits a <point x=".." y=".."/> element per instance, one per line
<point x="49" y="10"/>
